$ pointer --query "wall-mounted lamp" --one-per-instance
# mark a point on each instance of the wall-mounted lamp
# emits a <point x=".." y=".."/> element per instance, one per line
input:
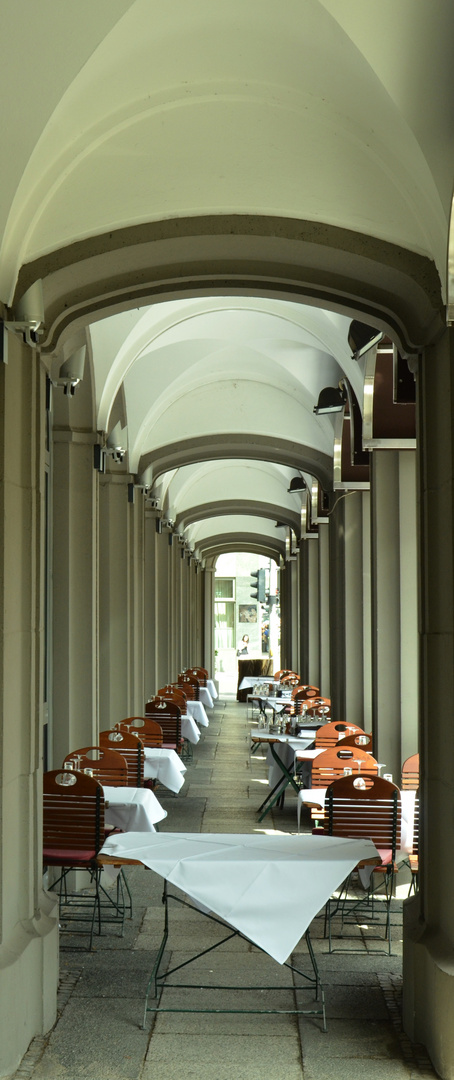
<point x="28" y="315"/>
<point x="297" y="483"/>
<point x="332" y="399"/>
<point x="116" y="443"/>
<point x="362" y="337"/>
<point x="71" y="372"/>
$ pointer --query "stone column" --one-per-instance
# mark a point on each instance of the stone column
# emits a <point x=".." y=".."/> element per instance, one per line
<point x="309" y="666"/>
<point x="164" y="672"/>
<point x="208" y="658"/>
<point x="429" y="917"/>
<point x="116" y="701"/>
<point x="394" y="605"/>
<point x="28" y="916"/>
<point x="74" y="592"/>
<point x="150" y="621"/>
<point x="349" y="604"/>
<point x="324" y="606"/>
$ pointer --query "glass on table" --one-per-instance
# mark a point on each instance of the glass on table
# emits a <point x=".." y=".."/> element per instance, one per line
<point x="348" y="771"/>
<point x="69" y="765"/>
<point x="388" y="776"/>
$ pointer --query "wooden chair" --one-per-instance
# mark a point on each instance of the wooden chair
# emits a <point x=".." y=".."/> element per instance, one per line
<point x="199" y="673"/>
<point x="279" y="675"/>
<point x="108" y="765"/>
<point x="310" y="691"/>
<point x="131" y="748"/>
<point x="330" y="765"/>
<point x="410" y="773"/>
<point x="360" y="740"/>
<point x="146" y="729"/>
<point x="73" y="834"/>
<point x="175" y="694"/>
<point x="168" y="715"/>
<point x="330" y="734"/>
<point x="372" y="811"/>
<point x="190" y="686"/>
<point x="290" y="680"/>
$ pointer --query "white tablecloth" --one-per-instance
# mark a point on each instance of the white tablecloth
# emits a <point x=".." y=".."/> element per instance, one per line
<point x="197" y="710"/>
<point x="165" y="766"/>
<point x="205" y="697"/>
<point x="189" y="729"/>
<point x="132" y="809"/>
<point x="286" y="747"/>
<point x="250" y="681"/>
<point x="212" y="689"/>
<point x="267" y="887"/>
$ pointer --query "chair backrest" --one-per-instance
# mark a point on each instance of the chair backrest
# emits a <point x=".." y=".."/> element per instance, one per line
<point x="108" y="765"/>
<point x="330" y="734"/>
<point x="173" y="694"/>
<point x="168" y="715"/>
<point x="131" y="748"/>
<point x="147" y="730"/>
<point x="372" y="811"/>
<point x="359" y="740"/>
<point x="190" y="685"/>
<point x="310" y="691"/>
<point x="199" y="673"/>
<point x="290" y="680"/>
<point x="410" y="773"/>
<point x="279" y="675"/>
<point x="330" y="764"/>
<point x="73" y="816"/>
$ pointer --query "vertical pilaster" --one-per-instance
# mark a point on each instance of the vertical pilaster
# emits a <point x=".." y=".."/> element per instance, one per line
<point x="309" y="666"/>
<point x="114" y="601"/>
<point x="74" y="572"/>
<point x="428" y="1003"/>
<point x="394" y="606"/>
<point x="28" y="917"/>
<point x="324" y="608"/>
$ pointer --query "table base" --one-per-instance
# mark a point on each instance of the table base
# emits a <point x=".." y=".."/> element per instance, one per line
<point x="158" y="982"/>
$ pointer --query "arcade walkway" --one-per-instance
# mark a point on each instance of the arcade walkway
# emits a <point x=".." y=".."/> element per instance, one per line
<point x="97" y="1036"/>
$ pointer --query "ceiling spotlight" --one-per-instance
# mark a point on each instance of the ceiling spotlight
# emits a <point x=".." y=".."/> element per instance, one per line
<point x="297" y="483"/>
<point x="332" y="399"/>
<point x="362" y="337"/>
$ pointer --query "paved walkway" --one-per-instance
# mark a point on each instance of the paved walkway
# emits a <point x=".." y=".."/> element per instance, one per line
<point x="97" y="1035"/>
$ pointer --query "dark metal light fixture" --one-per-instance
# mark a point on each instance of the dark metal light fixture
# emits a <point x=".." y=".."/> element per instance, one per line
<point x="297" y="483"/>
<point x="362" y="337"/>
<point x="332" y="399"/>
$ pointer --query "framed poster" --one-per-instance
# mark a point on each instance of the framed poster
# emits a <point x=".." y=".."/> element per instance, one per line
<point x="247" y="613"/>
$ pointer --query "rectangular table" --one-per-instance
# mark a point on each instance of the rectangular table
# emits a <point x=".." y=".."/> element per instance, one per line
<point x="205" y="697"/>
<point x="132" y="809"/>
<point x="197" y="711"/>
<point x="282" y="749"/>
<point x="267" y="888"/>
<point x="164" y="765"/>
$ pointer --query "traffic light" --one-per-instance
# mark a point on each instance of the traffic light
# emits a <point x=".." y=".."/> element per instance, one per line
<point x="258" y="580"/>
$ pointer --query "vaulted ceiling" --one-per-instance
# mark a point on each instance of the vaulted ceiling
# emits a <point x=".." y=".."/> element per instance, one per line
<point x="208" y="193"/>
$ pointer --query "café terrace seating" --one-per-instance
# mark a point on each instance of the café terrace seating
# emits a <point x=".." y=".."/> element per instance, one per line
<point x="73" y="834"/>
<point x="146" y="729"/>
<point x="410" y="773"/>
<point x="329" y="734"/>
<point x="130" y="747"/>
<point x="108" y="765"/>
<point x="190" y="685"/>
<point x="360" y="740"/>
<point x="199" y="673"/>
<point x="369" y="806"/>
<point x="168" y="715"/>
